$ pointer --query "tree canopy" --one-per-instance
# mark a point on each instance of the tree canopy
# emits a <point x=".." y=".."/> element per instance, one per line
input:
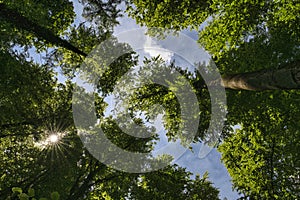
<point x="41" y="153"/>
<point x="255" y="45"/>
<point x="247" y="38"/>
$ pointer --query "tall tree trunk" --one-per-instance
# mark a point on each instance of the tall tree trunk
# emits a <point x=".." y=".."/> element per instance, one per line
<point x="285" y="78"/>
<point x="24" y="23"/>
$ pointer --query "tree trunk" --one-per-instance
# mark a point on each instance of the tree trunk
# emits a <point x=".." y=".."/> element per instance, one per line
<point x="24" y="23"/>
<point x="286" y="78"/>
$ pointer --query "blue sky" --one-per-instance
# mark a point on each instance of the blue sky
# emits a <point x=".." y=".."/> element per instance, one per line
<point x="218" y="174"/>
<point x="211" y="163"/>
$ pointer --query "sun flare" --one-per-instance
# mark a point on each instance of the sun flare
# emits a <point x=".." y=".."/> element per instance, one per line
<point x="53" y="138"/>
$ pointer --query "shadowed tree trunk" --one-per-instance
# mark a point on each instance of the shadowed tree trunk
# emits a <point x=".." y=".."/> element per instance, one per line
<point x="285" y="78"/>
<point x="21" y="22"/>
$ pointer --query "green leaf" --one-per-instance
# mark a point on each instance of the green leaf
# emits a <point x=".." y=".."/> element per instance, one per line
<point x="54" y="196"/>
<point x="23" y="196"/>
<point x="31" y="192"/>
<point x="17" y="190"/>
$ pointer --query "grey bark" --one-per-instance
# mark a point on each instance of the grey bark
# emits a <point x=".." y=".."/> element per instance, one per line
<point x="285" y="78"/>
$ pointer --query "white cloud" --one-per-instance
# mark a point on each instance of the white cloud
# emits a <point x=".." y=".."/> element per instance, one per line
<point x="217" y="172"/>
<point x="153" y="48"/>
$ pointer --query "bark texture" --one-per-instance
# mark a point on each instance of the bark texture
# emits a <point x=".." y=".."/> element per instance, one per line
<point x="285" y="78"/>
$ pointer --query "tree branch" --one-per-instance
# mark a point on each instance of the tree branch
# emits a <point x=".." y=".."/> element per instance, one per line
<point x="24" y="23"/>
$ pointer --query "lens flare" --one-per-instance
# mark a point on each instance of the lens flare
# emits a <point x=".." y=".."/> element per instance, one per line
<point x="53" y="138"/>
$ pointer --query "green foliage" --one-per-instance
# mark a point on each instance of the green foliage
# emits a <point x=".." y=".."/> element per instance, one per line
<point x="170" y="183"/>
<point x="30" y="195"/>
<point x="53" y="15"/>
<point x="262" y="156"/>
<point x="148" y="96"/>
<point x="103" y="14"/>
<point x="36" y="106"/>
<point x="228" y="24"/>
<point x="246" y="36"/>
<point x="175" y="15"/>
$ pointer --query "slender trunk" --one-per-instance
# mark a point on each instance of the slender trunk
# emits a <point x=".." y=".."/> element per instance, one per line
<point x="24" y="23"/>
<point x="286" y="78"/>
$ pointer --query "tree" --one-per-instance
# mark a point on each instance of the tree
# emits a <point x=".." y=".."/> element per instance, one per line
<point x="228" y="24"/>
<point x="235" y="28"/>
<point x="19" y="21"/>
<point x="26" y="130"/>
<point x="263" y="160"/>
<point x="41" y="32"/>
<point x="171" y="187"/>
<point x="251" y="40"/>
<point x="38" y="108"/>
<point x="272" y="79"/>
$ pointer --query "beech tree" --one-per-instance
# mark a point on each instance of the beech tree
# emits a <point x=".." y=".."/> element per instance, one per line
<point x="234" y="28"/>
<point x="255" y="45"/>
<point x="285" y="78"/>
<point x="41" y="153"/>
